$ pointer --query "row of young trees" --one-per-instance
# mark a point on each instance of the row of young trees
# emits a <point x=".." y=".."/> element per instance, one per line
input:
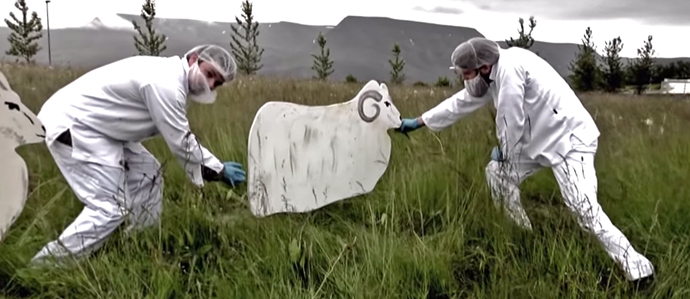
<point x="590" y="71"/>
<point x="28" y="30"/>
<point x="610" y="73"/>
<point x="245" y="49"/>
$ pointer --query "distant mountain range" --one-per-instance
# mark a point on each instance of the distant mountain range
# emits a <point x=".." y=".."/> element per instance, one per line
<point x="360" y="46"/>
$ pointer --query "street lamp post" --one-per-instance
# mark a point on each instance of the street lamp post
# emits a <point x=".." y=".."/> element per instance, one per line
<point x="50" y="58"/>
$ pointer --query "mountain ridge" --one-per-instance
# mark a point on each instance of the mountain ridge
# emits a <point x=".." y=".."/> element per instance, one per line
<point x="359" y="45"/>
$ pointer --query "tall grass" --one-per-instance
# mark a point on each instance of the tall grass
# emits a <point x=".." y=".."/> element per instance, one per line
<point x="429" y="229"/>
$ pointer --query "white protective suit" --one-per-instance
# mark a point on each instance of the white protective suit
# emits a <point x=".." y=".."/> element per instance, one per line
<point x="542" y="123"/>
<point x="109" y="112"/>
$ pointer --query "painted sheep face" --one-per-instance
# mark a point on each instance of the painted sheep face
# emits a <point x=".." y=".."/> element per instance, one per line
<point x="375" y="105"/>
<point x="17" y="123"/>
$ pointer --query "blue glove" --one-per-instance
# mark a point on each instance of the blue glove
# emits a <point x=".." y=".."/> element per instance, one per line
<point x="496" y="154"/>
<point x="409" y="125"/>
<point x="233" y="173"/>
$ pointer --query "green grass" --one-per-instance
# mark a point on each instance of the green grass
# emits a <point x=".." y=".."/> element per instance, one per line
<point x="429" y="229"/>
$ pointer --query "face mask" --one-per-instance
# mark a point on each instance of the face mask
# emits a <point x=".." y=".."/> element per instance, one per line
<point x="199" y="91"/>
<point x="477" y="86"/>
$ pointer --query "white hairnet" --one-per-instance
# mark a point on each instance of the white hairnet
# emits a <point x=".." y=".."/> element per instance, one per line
<point x="474" y="53"/>
<point x="218" y="57"/>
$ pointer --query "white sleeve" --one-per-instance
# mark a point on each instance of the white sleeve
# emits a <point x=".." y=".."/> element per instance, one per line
<point x="167" y="109"/>
<point x="510" y="113"/>
<point x="453" y="109"/>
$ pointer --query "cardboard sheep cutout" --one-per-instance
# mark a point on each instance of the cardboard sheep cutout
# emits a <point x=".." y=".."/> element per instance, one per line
<point x="302" y="158"/>
<point x="18" y="126"/>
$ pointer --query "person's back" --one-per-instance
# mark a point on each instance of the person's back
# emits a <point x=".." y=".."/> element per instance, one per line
<point x="108" y="100"/>
<point x="554" y="110"/>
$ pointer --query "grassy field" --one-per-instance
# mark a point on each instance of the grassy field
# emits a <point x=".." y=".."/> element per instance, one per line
<point x="429" y="229"/>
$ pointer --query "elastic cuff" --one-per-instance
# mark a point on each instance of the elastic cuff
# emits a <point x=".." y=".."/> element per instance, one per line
<point x="425" y="119"/>
<point x="210" y="175"/>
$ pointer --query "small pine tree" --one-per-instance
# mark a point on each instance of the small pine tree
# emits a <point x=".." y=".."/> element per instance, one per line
<point x="524" y="41"/>
<point x="640" y="70"/>
<point x="151" y="44"/>
<point x="459" y="82"/>
<point x="25" y="33"/>
<point x="397" y="75"/>
<point x="247" y="53"/>
<point x="585" y="69"/>
<point x="674" y="70"/>
<point x="683" y="70"/>
<point x="613" y="73"/>
<point x="350" y="79"/>
<point x="323" y="65"/>
<point x="442" y="82"/>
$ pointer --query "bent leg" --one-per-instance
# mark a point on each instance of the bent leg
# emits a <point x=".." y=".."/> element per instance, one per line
<point x="100" y="188"/>
<point x="504" y="180"/>
<point x="145" y="185"/>
<point x="577" y="179"/>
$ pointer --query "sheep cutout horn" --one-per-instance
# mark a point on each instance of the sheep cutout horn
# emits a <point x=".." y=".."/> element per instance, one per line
<point x="18" y="126"/>
<point x="302" y="158"/>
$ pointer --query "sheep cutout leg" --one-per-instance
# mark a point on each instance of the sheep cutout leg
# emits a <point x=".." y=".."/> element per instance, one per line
<point x="18" y="126"/>
<point x="302" y="158"/>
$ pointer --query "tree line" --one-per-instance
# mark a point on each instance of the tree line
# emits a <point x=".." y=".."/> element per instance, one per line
<point x="590" y="70"/>
<point x="608" y="72"/>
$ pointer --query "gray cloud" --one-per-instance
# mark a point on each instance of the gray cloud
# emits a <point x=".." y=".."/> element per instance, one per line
<point x="440" y="9"/>
<point x="653" y="12"/>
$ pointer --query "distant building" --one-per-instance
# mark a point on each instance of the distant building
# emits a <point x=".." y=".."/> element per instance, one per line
<point x="675" y="86"/>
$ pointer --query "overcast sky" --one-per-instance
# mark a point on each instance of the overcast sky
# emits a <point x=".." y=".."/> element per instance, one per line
<point x="557" y="21"/>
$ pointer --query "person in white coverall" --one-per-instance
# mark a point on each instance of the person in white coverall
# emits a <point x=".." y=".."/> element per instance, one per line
<point x="94" y="129"/>
<point x="540" y="123"/>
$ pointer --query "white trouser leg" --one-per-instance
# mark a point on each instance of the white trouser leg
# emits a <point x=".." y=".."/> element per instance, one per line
<point x="102" y="190"/>
<point x="145" y="185"/>
<point x="577" y="179"/>
<point x="504" y="179"/>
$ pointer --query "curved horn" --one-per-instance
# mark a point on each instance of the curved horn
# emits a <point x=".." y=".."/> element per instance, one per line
<point x="370" y="94"/>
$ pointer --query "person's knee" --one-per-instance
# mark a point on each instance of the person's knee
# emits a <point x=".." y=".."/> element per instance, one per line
<point x="154" y="186"/>
<point x="491" y="167"/>
<point x="145" y="172"/>
<point x="493" y="172"/>
<point x="153" y="162"/>
<point x="147" y="213"/>
<point x="107" y="215"/>
<point x="147" y="194"/>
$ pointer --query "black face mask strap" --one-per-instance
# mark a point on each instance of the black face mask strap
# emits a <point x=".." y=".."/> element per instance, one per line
<point x="486" y="77"/>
